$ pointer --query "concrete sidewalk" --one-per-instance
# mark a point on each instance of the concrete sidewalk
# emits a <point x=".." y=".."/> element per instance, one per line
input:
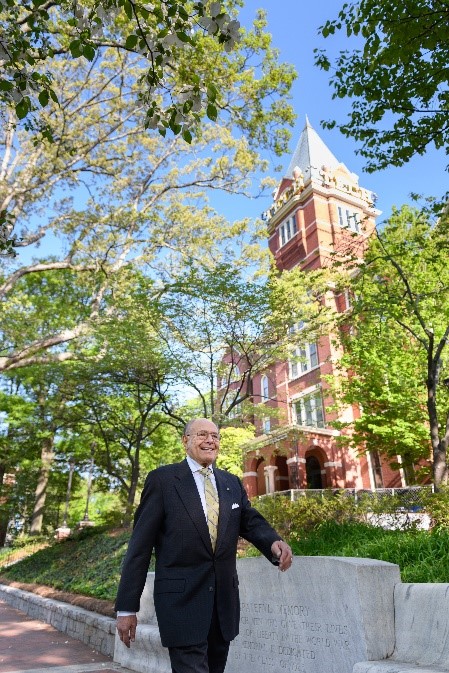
<point x="27" y="645"/>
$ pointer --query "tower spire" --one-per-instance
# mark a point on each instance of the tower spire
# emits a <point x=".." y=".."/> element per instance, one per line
<point x="311" y="154"/>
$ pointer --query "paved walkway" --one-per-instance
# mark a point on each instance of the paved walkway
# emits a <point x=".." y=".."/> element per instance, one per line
<point x="30" y="646"/>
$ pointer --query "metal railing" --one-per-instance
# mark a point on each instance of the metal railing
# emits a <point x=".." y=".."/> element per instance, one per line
<point x="409" y="497"/>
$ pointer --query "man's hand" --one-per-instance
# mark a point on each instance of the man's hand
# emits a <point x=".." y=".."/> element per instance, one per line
<point x="126" y="627"/>
<point x="283" y="553"/>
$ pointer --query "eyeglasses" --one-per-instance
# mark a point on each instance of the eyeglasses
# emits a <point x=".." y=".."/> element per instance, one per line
<point x="204" y="435"/>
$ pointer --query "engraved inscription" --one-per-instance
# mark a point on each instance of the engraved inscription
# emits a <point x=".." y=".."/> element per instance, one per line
<point x="287" y="637"/>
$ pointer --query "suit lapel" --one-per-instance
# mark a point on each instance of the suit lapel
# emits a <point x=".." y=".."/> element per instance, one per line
<point x="188" y="492"/>
<point x="225" y="503"/>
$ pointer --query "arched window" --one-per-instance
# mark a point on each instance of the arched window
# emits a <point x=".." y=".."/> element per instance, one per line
<point x="264" y="393"/>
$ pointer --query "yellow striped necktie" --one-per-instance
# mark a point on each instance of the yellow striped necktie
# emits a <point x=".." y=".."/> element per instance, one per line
<point x="211" y="506"/>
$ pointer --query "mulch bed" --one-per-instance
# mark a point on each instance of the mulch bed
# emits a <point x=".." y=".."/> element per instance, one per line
<point x="98" y="605"/>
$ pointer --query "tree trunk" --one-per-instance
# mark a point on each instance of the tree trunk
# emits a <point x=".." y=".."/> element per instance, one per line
<point x="439" y="449"/>
<point x="4" y="516"/>
<point x="47" y="456"/>
<point x="135" y="473"/>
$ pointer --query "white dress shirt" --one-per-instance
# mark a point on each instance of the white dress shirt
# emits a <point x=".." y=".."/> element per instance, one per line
<point x="199" y="480"/>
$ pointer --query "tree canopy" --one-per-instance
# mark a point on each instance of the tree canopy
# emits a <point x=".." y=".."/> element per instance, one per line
<point x="35" y="32"/>
<point x="100" y="113"/>
<point x="396" y="76"/>
<point x="116" y="196"/>
<point x="396" y="341"/>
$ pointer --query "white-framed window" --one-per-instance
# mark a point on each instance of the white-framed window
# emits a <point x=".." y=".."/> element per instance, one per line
<point x="266" y="425"/>
<point x="297" y="327"/>
<point x="235" y="373"/>
<point x="235" y="411"/>
<point x="264" y="392"/>
<point x="287" y="230"/>
<point x="303" y="359"/>
<point x="308" y="410"/>
<point x="349" y="219"/>
<point x="341" y="221"/>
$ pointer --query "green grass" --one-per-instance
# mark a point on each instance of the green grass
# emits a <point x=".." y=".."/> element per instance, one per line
<point x="90" y="565"/>
<point x="421" y="555"/>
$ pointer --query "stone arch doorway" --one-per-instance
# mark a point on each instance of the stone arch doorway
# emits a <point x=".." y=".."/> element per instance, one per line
<point x="313" y="472"/>
<point x="282" y="481"/>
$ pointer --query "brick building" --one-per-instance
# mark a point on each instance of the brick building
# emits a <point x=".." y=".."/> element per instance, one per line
<point x="317" y="209"/>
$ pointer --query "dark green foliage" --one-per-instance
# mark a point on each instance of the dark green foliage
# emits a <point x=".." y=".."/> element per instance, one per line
<point x="291" y="519"/>
<point x="396" y="74"/>
<point x="89" y="564"/>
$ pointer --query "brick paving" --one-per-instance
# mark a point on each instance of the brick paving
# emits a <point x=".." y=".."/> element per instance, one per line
<point x="30" y="646"/>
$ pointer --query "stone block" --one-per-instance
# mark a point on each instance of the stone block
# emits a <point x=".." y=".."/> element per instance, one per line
<point x="322" y="616"/>
<point x="147" y="614"/>
<point x="146" y="654"/>
<point x="422" y="628"/>
<point x="422" y="624"/>
<point x="391" y="666"/>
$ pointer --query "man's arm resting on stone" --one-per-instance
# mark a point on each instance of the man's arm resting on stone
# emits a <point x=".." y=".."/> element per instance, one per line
<point x="282" y="552"/>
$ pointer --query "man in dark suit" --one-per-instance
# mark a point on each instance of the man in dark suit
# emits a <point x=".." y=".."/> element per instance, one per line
<point x="192" y="515"/>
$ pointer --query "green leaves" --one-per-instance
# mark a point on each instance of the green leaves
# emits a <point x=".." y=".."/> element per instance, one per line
<point x="76" y="48"/>
<point x="158" y="31"/>
<point x="398" y="350"/>
<point x="23" y="107"/>
<point x="131" y="41"/>
<point x="398" y="79"/>
<point x="44" y="98"/>
<point x="211" y="112"/>
<point x="186" y="134"/>
<point x="5" y="85"/>
<point x="128" y="7"/>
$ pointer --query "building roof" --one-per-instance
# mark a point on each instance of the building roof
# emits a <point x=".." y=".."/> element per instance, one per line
<point x="310" y="155"/>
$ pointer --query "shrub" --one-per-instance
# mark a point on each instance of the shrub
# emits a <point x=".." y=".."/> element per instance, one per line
<point x="292" y="518"/>
<point x="437" y="506"/>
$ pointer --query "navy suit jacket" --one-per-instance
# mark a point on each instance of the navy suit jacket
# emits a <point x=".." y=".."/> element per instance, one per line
<point x="189" y="576"/>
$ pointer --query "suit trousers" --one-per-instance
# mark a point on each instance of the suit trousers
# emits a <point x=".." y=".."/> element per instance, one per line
<point x="209" y="656"/>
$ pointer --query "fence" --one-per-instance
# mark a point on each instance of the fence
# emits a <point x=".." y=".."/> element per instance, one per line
<point x="409" y="498"/>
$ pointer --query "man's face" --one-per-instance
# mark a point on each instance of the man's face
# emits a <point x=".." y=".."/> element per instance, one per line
<point x="203" y="449"/>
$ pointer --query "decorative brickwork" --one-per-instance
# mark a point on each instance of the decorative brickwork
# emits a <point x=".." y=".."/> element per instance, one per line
<point x="318" y="209"/>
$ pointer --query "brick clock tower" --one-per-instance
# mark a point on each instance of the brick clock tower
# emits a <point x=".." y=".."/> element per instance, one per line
<point x="318" y="208"/>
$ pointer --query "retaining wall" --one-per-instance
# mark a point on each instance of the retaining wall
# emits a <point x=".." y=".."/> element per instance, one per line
<point x="91" y="628"/>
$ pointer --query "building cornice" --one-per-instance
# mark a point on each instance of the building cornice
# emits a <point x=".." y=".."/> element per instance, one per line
<point x="286" y="432"/>
<point x="331" y="186"/>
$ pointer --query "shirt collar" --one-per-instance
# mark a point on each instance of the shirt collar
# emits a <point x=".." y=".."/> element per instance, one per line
<point x="194" y="466"/>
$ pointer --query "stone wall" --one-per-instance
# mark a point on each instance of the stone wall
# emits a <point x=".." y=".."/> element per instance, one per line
<point x="326" y="615"/>
<point x="322" y="616"/>
<point x="146" y="654"/>
<point x="89" y="627"/>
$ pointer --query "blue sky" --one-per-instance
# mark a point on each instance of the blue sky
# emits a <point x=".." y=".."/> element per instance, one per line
<point x="293" y="25"/>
